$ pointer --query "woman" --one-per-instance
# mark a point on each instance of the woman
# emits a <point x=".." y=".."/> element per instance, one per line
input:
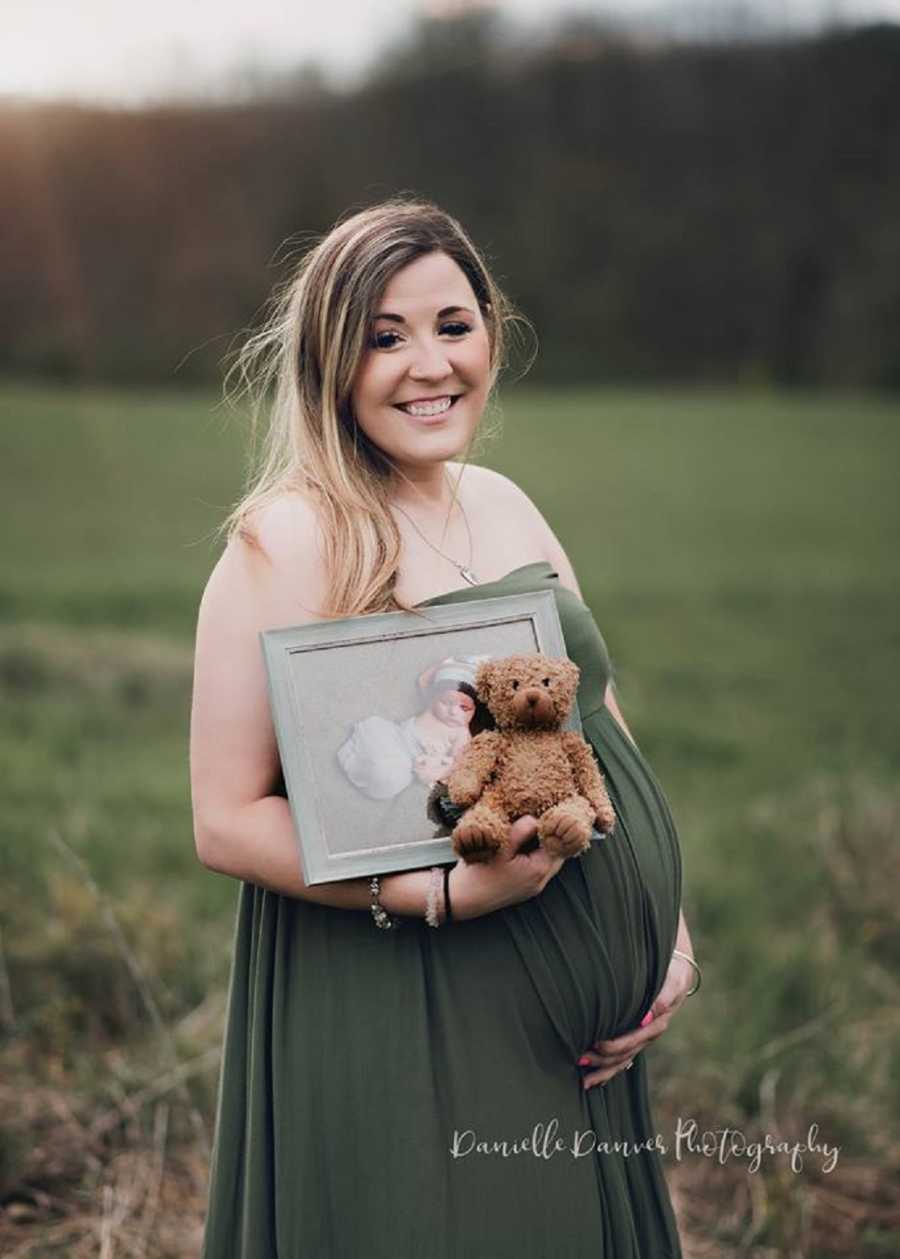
<point x="420" y="1092"/>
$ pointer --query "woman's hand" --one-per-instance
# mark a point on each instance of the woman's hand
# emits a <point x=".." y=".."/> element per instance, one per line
<point x="513" y="875"/>
<point x="613" y="1056"/>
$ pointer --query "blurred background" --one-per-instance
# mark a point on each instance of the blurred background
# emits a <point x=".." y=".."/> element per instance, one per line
<point x="698" y="208"/>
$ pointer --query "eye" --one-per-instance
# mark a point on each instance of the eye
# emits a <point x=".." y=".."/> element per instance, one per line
<point x="546" y="682"/>
<point x="377" y="340"/>
<point x="515" y="684"/>
<point x="460" y="329"/>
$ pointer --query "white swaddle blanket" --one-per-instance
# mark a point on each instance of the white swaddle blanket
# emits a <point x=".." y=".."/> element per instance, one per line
<point x="378" y="756"/>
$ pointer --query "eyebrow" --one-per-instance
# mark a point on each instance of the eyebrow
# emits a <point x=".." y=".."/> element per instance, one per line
<point x="442" y="314"/>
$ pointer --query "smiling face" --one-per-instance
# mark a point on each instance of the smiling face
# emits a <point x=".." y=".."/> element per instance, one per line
<point x="425" y="374"/>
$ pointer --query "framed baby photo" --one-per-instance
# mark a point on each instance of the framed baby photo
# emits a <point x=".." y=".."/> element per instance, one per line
<point x="370" y="713"/>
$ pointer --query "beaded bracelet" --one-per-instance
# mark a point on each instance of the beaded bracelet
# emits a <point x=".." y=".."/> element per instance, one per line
<point x="696" y="988"/>
<point x="379" y="913"/>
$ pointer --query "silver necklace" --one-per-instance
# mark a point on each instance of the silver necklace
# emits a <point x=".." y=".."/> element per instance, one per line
<point x="464" y="569"/>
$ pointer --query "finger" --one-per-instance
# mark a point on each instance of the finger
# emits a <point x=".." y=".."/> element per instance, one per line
<point x="522" y="829"/>
<point x="601" y="1077"/>
<point x="527" y="822"/>
<point x="604" y="1062"/>
<point x="525" y="845"/>
<point x="634" y="1040"/>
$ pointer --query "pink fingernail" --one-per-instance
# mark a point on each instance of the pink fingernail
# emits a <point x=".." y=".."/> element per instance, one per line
<point x="584" y="1061"/>
<point x="648" y="1018"/>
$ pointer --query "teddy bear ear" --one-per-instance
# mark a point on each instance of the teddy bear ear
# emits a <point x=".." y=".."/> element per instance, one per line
<point x="484" y="679"/>
<point x="570" y="671"/>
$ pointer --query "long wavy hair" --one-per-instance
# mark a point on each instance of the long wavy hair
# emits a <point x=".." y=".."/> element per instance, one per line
<point x="299" y="370"/>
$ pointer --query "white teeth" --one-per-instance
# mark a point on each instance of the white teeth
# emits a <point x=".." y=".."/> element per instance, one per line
<point x="427" y="408"/>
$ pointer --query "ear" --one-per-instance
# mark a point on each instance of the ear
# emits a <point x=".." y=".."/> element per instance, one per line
<point x="485" y="676"/>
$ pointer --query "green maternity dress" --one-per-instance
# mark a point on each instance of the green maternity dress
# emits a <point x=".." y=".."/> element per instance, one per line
<point x="370" y="1078"/>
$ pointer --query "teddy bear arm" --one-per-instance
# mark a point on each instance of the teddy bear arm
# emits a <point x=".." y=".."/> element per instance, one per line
<point x="588" y="778"/>
<point x="473" y="767"/>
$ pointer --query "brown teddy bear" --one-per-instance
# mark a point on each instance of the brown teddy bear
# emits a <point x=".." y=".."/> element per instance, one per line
<point x="528" y="764"/>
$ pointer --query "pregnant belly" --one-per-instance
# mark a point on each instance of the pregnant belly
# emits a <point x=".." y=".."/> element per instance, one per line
<point x="598" y="939"/>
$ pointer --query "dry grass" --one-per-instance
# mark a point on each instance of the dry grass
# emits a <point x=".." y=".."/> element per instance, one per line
<point x="105" y="1148"/>
<point x="105" y="1182"/>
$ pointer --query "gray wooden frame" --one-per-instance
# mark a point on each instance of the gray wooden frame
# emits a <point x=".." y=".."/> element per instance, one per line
<point x="316" y="673"/>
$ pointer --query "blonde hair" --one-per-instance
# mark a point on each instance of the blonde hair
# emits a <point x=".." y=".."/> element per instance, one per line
<point x="307" y="355"/>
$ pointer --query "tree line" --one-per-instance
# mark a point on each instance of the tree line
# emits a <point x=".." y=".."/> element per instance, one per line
<point x="659" y="209"/>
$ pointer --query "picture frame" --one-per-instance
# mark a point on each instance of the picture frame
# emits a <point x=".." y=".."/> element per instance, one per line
<point x="368" y="713"/>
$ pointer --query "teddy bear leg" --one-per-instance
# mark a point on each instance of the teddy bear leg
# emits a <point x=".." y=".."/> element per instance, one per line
<point x="565" y="828"/>
<point x="480" y="833"/>
<point x="605" y="814"/>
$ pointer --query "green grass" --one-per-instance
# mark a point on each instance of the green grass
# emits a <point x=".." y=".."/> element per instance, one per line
<point x="739" y="553"/>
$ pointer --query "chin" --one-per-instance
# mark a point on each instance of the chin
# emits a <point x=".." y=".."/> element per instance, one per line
<point x="433" y="450"/>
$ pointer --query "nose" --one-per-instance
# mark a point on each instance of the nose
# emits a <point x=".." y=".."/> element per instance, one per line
<point x="430" y="362"/>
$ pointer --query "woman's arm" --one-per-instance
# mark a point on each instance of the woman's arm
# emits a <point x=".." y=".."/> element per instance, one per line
<point x="257" y="843"/>
<point x="240" y="827"/>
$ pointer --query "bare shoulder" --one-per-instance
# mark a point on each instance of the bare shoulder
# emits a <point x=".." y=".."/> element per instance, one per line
<point x="506" y="508"/>
<point x="282" y="526"/>
<point x="489" y="480"/>
<point x="526" y="517"/>
<point x="272" y="571"/>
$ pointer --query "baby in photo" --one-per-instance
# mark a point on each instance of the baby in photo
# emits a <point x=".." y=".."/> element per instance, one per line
<point x="382" y="757"/>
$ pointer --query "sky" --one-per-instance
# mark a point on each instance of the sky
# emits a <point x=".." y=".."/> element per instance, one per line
<point x="127" y="52"/>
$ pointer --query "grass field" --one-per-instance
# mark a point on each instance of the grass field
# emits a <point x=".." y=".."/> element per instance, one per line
<point x="739" y="552"/>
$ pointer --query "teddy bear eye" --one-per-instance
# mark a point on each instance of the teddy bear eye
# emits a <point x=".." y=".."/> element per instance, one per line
<point x="546" y="681"/>
<point x="515" y="684"/>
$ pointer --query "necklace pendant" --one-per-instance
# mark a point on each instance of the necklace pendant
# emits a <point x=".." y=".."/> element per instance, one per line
<point x="468" y="575"/>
